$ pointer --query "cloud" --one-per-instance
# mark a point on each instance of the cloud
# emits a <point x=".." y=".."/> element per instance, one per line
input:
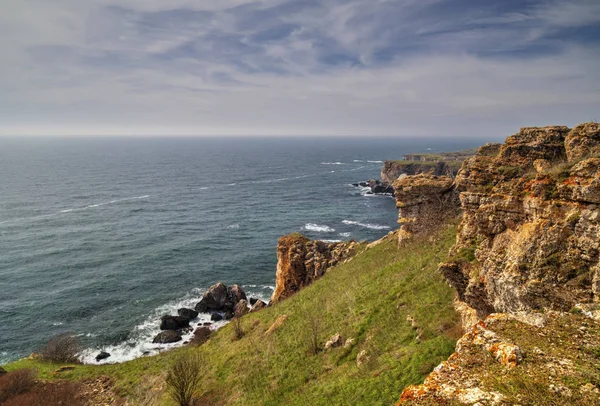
<point x="377" y="67"/>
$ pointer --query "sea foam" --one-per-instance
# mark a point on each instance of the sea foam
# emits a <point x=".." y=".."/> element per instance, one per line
<point x="366" y="225"/>
<point x="318" y="228"/>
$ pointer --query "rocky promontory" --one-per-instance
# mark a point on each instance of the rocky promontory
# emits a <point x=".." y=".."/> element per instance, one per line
<point x="300" y="261"/>
<point x="442" y="164"/>
<point x="526" y="269"/>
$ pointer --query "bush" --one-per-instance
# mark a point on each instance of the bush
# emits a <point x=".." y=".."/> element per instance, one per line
<point x="313" y="334"/>
<point x="62" y="348"/>
<point x="184" y="377"/>
<point x="16" y="383"/>
<point x="49" y="394"/>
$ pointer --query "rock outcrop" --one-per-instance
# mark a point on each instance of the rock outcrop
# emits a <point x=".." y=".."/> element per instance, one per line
<point x="442" y="164"/>
<point x="424" y="202"/>
<point x="220" y="298"/>
<point x="528" y="241"/>
<point x="526" y="269"/>
<point x="300" y="261"/>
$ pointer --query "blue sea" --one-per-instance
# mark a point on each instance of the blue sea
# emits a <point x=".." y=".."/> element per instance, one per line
<point x="100" y="237"/>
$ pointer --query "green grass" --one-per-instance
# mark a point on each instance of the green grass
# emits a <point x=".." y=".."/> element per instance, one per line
<point x="367" y="299"/>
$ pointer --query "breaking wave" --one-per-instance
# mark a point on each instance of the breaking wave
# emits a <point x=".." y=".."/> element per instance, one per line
<point x="366" y="225"/>
<point x="318" y="228"/>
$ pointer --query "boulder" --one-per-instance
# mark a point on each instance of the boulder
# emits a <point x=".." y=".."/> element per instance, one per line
<point x="189" y="313"/>
<point x="362" y="358"/>
<point x="216" y="317"/>
<point x="213" y="299"/>
<point x="229" y="315"/>
<point x="253" y="300"/>
<point x="234" y="295"/>
<point x="168" y="336"/>
<point x="102" y="355"/>
<point x="174" y="322"/>
<point x="334" y="341"/>
<point x="201" y="335"/>
<point x="2" y="371"/>
<point x="241" y="308"/>
<point x="259" y="304"/>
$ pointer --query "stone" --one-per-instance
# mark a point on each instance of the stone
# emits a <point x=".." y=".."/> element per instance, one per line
<point x="189" y="313"/>
<point x="213" y="299"/>
<point x="166" y="337"/>
<point x="259" y="304"/>
<point x="174" y="322"/>
<point x="253" y="300"/>
<point x="541" y="165"/>
<point x="300" y="261"/>
<point x="102" y="356"/>
<point x="349" y="343"/>
<point x="201" y="335"/>
<point x="362" y="358"/>
<point x="334" y="341"/>
<point x="2" y="371"/>
<point x="241" y="308"/>
<point x="216" y="317"/>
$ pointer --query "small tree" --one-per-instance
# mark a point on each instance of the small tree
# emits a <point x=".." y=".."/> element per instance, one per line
<point x="62" y="348"/>
<point x="184" y="378"/>
<point x="313" y="334"/>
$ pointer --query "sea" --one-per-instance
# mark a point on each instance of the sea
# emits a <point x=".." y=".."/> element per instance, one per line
<point x="99" y="237"/>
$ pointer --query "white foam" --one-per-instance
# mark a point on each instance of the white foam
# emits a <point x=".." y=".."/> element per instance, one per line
<point x="331" y="241"/>
<point x="233" y="226"/>
<point x="318" y="228"/>
<point x="140" y="342"/>
<point x="345" y="235"/>
<point x="375" y="162"/>
<point x="358" y="160"/>
<point x="366" y="225"/>
<point x="332" y="163"/>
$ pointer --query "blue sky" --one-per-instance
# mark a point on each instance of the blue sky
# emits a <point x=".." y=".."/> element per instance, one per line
<point x="304" y="67"/>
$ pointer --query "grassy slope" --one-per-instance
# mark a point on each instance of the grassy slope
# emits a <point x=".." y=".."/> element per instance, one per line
<point x="367" y="299"/>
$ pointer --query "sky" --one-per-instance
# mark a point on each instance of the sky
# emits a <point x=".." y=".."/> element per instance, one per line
<point x="453" y="68"/>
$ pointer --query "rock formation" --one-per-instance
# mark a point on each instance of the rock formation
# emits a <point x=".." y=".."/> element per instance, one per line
<point x="220" y="298"/>
<point x="442" y="164"/>
<point x="528" y="241"/>
<point x="425" y="202"/>
<point x="526" y="261"/>
<point x="300" y="261"/>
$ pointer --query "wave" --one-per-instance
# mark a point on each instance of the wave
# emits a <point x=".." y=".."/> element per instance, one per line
<point x="331" y="241"/>
<point x="332" y="163"/>
<point x="375" y="162"/>
<point x="233" y="227"/>
<point x="345" y="235"/>
<point x="358" y="160"/>
<point x="318" y="228"/>
<point x="140" y="342"/>
<point x="366" y="225"/>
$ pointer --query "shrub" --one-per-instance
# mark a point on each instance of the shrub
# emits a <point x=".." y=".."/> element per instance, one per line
<point x="49" y="394"/>
<point x="184" y="377"/>
<point x="16" y="383"/>
<point x="313" y="334"/>
<point x="238" y="331"/>
<point x="62" y="348"/>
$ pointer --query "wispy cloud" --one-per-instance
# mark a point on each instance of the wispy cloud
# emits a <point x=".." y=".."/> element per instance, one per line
<point x="380" y="67"/>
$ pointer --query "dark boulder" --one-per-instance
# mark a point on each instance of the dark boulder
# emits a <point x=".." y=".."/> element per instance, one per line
<point x="165" y="337"/>
<point x="257" y="306"/>
<point x="234" y="295"/>
<point x="2" y="371"/>
<point x="174" y="322"/>
<point x="253" y="300"/>
<point x="214" y="299"/>
<point x="207" y="323"/>
<point x="241" y="308"/>
<point x="201" y="335"/>
<point x="189" y="313"/>
<point x="229" y="315"/>
<point x="363" y="184"/>
<point x="216" y="317"/>
<point x="102" y="355"/>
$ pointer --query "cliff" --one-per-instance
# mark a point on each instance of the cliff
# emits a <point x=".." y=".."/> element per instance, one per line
<point x="300" y="261"/>
<point x="526" y="270"/>
<point x="442" y="164"/>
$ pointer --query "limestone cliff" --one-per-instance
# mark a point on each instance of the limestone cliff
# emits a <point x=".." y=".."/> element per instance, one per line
<point x="300" y="261"/>
<point x="529" y="236"/>
<point x="526" y="261"/>
<point x="424" y="203"/>
<point x="442" y="164"/>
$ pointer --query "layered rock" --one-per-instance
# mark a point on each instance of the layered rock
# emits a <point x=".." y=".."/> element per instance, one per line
<point x="442" y="164"/>
<point x="300" y="261"/>
<point x="425" y="202"/>
<point x="529" y="236"/>
<point x="220" y="298"/>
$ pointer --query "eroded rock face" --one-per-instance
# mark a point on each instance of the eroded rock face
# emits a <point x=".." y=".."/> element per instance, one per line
<point x="528" y="241"/>
<point x="425" y="202"/>
<point x="392" y="170"/>
<point x="300" y="261"/>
